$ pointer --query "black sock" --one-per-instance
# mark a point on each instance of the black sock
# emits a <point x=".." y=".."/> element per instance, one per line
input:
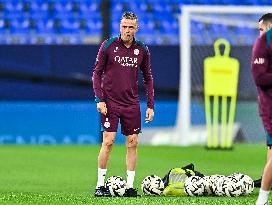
<point x="257" y="182"/>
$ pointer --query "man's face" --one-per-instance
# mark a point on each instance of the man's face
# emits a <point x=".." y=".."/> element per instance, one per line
<point x="263" y="27"/>
<point x="128" y="28"/>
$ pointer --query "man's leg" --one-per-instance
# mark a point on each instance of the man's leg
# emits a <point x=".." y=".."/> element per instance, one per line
<point x="131" y="158"/>
<point x="107" y="144"/>
<point x="130" y="127"/>
<point x="131" y="161"/>
<point x="266" y="180"/>
<point x="103" y="157"/>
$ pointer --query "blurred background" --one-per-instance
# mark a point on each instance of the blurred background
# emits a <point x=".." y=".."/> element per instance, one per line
<point x="48" y="49"/>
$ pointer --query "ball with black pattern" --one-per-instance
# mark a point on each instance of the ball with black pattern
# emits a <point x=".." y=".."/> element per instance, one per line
<point x="218" y="185"/>
<point x="207" y="186"/>
<point x="232" y="187"/>
<point x="247" y="185"/>
<point x="245" y="181"/>
<point x="213" y="178"/>
<point x="194" y="186"/>
<point x="152" y="185"/>
<point x="116" y="185"/>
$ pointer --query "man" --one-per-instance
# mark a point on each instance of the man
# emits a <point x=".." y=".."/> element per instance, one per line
<point x="262" y="73"/>
<point x="116" y="89"/>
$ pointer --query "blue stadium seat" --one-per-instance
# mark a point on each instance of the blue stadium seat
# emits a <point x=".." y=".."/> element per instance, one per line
<point x="117" y="7"/>
<point x="70" y="26"/>
<point x="94" y="27"/>
<point x="20" y="26"/>
<point x="115" y="28"/>
<point x="45" y="26"/>
<point x="89" y="10"/>
<point x="14" y="6"/>
<point x="3" y="29"/>
<point x="63" y="7"/>
<point x="38" y="10"/>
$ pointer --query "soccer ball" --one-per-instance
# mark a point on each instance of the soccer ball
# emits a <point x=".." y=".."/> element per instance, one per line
<point x="226" y="186"/>
<point x="207" y="185"/>
<point x="152" y="185"/>
<point x="245" y="181"/>
<point x="194" y="186"/>
<point x="247" y="185"/>
<point x="219" y="185"/>
<point x="232" y="187"/>
<point x="116" y="185"/>
<point x="213" y="180"/>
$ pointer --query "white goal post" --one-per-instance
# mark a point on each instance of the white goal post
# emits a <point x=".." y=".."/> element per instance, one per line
<point x="183" y="129"/>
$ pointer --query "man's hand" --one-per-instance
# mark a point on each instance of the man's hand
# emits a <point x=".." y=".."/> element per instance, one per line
<point x="149" y="115"/>
<point x="102" y="108"/>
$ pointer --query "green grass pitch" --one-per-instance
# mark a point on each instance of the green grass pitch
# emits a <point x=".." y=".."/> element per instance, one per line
<point x="67" y="174"/>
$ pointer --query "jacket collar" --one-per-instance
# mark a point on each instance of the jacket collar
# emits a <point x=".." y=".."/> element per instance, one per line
<point x="121" y="41"/>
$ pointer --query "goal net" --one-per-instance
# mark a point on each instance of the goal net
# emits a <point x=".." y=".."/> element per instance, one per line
<point x="200" y="27"/>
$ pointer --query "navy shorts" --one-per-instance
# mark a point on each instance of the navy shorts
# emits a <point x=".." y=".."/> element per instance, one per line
<point x="129" y="117"/>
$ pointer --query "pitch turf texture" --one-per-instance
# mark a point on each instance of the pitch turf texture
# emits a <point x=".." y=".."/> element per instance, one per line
<point x="67" y="174"/>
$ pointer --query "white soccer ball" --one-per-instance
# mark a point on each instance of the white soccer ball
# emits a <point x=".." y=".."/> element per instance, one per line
<point x="232" y="187"/>
<point x="218" y="186"/>
<point x="116" y="185"/>
<point x="207" y="185"/>
<point x="245" y="181"/>
<point x="152" y="185"/>
<point x="247" y="185"/>
<point x="214" y="184"/>
<point x="194" y="186"/>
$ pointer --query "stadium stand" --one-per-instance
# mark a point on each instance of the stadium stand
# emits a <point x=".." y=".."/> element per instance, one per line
<point x="79" y="21"/>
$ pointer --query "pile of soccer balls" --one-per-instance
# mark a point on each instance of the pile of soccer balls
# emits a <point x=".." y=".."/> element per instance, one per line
<point x="215" y="185"/>
<point x="218" y="185"/>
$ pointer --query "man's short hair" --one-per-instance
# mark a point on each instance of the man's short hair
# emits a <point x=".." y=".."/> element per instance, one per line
<point x="130" y="15"/>
<point x="266" y="18"/>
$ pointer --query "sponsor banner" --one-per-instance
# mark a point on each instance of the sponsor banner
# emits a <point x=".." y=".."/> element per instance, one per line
<point x="77" y="122"/>
<point x="49" y="123"/>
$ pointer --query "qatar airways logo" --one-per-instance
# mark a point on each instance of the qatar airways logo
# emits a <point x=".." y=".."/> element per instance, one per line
<point x="126" y="61"/>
